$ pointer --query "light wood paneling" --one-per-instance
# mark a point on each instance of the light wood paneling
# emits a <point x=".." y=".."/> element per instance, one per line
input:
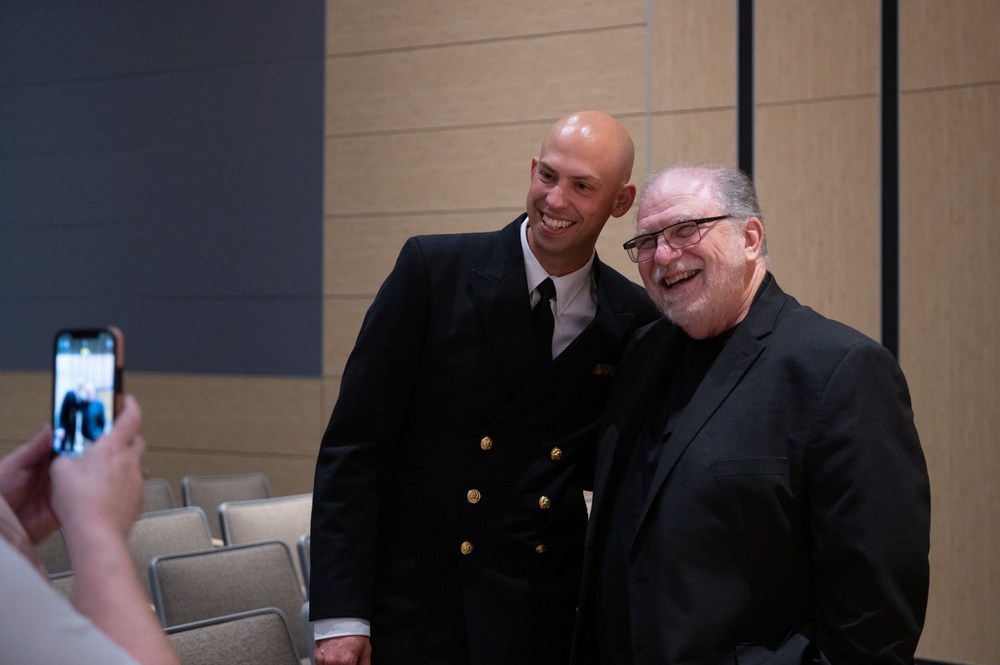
<point x="705" y="136"/>
<point x="609" y="245"/>
<point x="25" y="400"/>
<point x="950" y="314"/>
<point x="947" y="43"/>
<point x="694" y="54"/>
<point x="360" y="251"/>
<point x="458" y="169"/>
<point x="497" y="81"/>
<point x="237" y="415"/>
<point x="810" y="50"/>
<point x="363" y="26"/>
<point x="818" y="178"/>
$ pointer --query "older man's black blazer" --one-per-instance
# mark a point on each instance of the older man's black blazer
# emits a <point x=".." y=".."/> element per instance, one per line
<point x="788" y="517"/>
<point x="448" y="497"/>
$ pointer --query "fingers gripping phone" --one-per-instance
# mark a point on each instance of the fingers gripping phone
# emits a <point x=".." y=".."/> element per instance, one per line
<point x="87" y="386"/>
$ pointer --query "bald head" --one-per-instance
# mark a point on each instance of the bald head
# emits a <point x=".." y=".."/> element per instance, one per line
<point x="602" y="134"/>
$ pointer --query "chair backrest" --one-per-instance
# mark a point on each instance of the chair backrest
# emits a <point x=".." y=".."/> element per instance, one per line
<point x="64" y="583"/>
<point x="159" y="495"/>
<point x="307" y="626"/>
<point x="209" y="492"/>
<point x="212" y="583"/>
<point x="54" y="554"/>
<point x="284" y="518"/>
<point x="167" y="532"/>
<point x="257" y="637"/>
<point x="303" y="547"/>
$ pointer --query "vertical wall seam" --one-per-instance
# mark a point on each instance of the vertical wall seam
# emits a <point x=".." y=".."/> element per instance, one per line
<point x="650" y="31"/>
<point x="889" y="94"/>
<point x="744" y="86"/>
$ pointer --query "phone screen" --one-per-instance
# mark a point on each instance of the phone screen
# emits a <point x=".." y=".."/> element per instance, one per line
<point x="87" y="383"/>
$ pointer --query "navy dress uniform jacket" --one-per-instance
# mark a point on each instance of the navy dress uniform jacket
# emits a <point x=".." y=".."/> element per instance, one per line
<point x="448" y="489"/>
<point x="788" y="517"/>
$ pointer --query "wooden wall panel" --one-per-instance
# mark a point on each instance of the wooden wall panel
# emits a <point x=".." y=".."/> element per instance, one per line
<point x="694" y="55"/>
<point x="950" y="314"/>
<point x="245" y="415"/>
<point x="360" y="251"/>
<point x="949" y="240"/>
<point x="818" y="178"/>
<point x="609" y="245"/>
<point x="361" y="25"/>
<point x="489" y="82"/>
<point x="813" y="50"/>
<point x="705" y="136"/>
<point x="25" y="400"/>
<point x="946" y="43"/>
<point x="468" y="169"/>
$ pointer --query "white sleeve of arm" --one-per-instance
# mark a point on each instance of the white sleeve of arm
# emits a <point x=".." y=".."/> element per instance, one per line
<point x="341" y="627"/>
<point x="37" y="625"/>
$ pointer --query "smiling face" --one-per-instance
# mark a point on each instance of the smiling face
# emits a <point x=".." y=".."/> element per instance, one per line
<point x="579" y="180"/>
<point x="705" y="288"/>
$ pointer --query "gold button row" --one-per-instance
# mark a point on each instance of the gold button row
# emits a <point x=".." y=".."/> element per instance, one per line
<point x="486" y="443"/>
<point x="467" y="548"/>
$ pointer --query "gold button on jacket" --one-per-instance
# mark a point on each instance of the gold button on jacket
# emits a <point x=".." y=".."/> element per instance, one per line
<point x="541" y="549"/>
<point x="544" y="503"/>
<point x="473" y="496"/>
<point x="466" y="547"/>
<point x="486" y="443"/>
<point x="556" y="454"/>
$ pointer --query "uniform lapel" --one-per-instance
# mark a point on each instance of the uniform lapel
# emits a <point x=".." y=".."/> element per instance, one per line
<point x="499" y="292"/>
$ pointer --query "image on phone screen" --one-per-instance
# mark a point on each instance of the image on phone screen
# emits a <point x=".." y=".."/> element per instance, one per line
<point x="84" y="386"/>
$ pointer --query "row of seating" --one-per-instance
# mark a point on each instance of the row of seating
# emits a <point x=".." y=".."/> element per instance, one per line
<point x="207" y="492"/>
<point x="202" y="584"/>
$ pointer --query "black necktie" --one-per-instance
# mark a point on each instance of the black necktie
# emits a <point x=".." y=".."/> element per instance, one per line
<point x="544" y="322"/>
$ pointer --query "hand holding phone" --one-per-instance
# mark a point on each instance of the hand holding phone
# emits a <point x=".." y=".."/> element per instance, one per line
<point x="87" y="386"/>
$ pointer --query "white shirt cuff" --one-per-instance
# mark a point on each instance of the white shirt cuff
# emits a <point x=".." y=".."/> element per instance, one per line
<point x="341" y="627"/>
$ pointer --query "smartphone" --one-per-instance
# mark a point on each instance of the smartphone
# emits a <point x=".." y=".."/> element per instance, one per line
<point x="86" y="386"/>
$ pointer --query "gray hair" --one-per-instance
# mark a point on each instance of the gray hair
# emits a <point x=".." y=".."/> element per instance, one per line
<point x="733" y="191"/>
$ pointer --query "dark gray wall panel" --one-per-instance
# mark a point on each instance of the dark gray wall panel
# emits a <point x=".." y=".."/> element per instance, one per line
<point x="161" y="169"/>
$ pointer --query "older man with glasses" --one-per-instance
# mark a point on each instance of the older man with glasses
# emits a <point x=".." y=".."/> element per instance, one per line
<point x="761" y="495"/>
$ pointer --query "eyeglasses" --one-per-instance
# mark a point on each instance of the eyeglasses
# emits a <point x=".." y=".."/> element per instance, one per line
<point x="678" y="236"/>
